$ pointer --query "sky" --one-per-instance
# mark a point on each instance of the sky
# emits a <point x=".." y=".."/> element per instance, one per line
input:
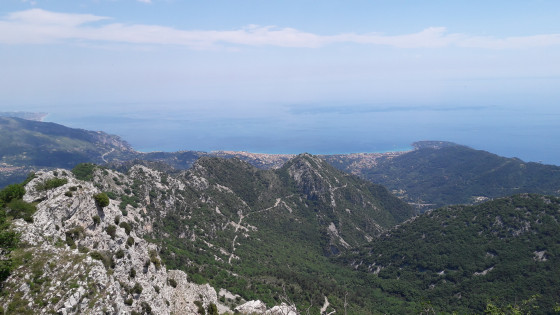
<point x="296" y="65"/>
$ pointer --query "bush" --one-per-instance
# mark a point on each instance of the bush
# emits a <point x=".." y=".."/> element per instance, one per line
<point x="74" y="234"/>
<point x="146" y="309"/>
<point x="126" y="226"/>
<point x="212" y="309"/>
<point x="132" y="273"/>
<point x="172" y="282"/>
<point x="130" y="241"/>
<point x="84" y="171"/>
<point x="51" y="184"/>
<point x="117" y="219"/>
<point x="18" y="208"/>
<point x="111" y="195"/>
<point x="137" y="289"/>
<point x="111" y="230"/>
<point x="11" y="192"/>
<point x="68" y="194"/>
<point x="96" y="219"/>
<point x="154" y="259"/>
<point x="200" y="310"/>
<point x="120" y="254"/>
<point x="101" y="200"/>
<point x="128" y="301"/>
<point x="103" y="257"/>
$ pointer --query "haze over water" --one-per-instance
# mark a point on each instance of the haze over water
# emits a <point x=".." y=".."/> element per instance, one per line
<point x="513" y="132"/>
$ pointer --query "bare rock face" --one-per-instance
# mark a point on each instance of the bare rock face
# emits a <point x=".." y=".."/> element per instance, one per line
<point x="81" y="258"/>
<point x="252" y="307"/>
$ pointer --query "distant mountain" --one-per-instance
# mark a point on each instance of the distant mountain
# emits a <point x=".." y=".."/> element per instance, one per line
<point x="28" y="145"/>
<point x="435" y="174"/>
<point x="25" y="115"/>
<point x="462" y="257"/>
<point x="440" y="173"/>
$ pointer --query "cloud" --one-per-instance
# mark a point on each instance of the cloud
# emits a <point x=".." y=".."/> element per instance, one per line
<point x="38" y="26"/>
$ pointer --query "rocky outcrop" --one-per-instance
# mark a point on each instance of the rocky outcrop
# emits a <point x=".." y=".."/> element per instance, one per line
<point x="81" y="258"/>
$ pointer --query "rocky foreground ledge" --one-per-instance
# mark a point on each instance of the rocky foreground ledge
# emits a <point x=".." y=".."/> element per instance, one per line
<point x="82" y="257"/>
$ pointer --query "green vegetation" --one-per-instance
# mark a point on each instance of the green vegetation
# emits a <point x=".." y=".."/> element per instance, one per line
<point x="101" y="200"/>
<point x="137" y="289"/>
<point x="11" y="192"/>
<point x="11" y="207"/>
<point x="105" y="257"/>
<point x="506" y="249"/>
<point x="51" y="183"/>
<point x="291" y="245"/>
<point x="111" y="230"/>
<point x="455" y="174"/>
<point x="126" y="226"/>
<point x="84" y="171"/>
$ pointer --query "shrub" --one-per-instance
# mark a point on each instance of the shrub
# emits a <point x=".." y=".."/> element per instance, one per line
<point x="200" y="310"/>
<point x="51" y="184"/>
<point x="103" y="257"/>
<point x="73" y="188"/>
<point x="154" y="259"/>
<point x="130" y="241"/>
<point x="137" y="289"/>
<point x="120" y="254"/>
<point x="111" y="230"/>
<point x="172" y="282"/>
<point x="117" y="219"/>
<point x="84" y="171"/>
<point x="74" y="234"/>
<point x="68" y="194"/>
<point x="101" y="200"/>
<point x="132" y="273"/>
<point x="126" y="226"/>
<point x="212" y="309"/>
<point x="11" y="192"/>
<point x="96" y="219"/>
<point x="111" y="195"/>
<point x="146" y="309"/>
<point x="128" y="301"/>
<point x="18" y="208"/>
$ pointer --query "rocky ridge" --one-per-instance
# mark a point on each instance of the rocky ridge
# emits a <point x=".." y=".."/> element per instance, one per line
<point x="84" y="259"/>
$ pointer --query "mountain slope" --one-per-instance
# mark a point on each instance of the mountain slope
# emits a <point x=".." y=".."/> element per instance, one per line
<point x="459" y="257"/>
<point x="77" y="255"/>
<point x="443" y="173"/>
<point x="254" y="231"/>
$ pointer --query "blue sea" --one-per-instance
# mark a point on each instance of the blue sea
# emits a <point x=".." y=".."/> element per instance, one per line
<point x="528" y="133"/>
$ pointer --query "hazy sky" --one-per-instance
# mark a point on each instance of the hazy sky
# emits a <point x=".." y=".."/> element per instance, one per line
<point x="426" y="52"/>
<point x="234" y="57"/>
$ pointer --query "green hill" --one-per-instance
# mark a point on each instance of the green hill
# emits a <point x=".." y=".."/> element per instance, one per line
<point x="462" y="257"/>
<point x="443" y="173"/>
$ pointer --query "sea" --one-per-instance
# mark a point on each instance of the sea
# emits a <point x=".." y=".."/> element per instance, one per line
<point x="529" y="133"/>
